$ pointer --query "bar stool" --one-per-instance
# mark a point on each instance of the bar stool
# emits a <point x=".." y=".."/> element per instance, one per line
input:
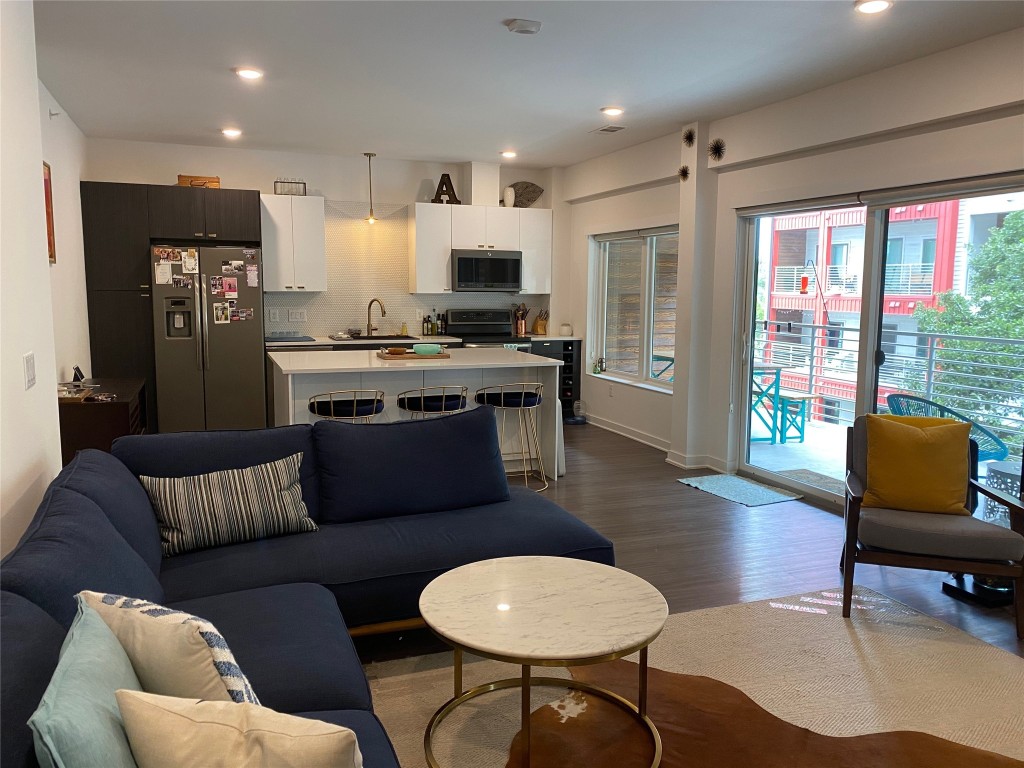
<point x="433" y="401"/>
<point x="524" y="399"/>
<point x="353" y="405"/>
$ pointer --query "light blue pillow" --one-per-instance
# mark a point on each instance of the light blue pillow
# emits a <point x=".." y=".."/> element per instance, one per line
<point x="78" y="723"/>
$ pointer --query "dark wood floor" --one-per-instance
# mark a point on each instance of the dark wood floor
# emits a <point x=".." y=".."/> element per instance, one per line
<point x="703" y="551"/>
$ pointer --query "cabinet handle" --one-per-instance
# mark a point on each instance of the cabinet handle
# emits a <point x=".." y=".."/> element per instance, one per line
<point x="143" y="286"/>
<point x="144" y="295"/>
<point x="300" y="287"/>
<point x="197" y="234"/>
<point x="213" y="234"/>
<point x="490" y="246"/>
<point x="481" y="245"/>
<point x="288" y="287"/>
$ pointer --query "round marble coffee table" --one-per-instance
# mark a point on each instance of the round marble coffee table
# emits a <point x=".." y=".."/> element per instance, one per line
<point x="543" y="611"/>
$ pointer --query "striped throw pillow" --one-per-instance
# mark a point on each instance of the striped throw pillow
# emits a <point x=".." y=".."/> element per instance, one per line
<point x="172" y="652"/>
<point x="228" y="507"/>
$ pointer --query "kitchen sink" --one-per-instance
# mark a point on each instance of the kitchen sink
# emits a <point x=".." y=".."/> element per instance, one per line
<point x="375" y="337"/>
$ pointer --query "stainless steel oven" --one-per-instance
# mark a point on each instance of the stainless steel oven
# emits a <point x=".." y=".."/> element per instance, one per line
<point x="485" y="328"/>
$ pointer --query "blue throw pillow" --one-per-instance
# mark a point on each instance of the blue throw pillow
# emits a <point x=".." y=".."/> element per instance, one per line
<point x="78" y="723"/>
<point x="69" y="546"/>
<point x="369" y="471"/>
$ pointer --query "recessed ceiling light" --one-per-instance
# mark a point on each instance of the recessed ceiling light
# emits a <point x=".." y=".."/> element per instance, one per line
<point x="872" y="6"/>
<point x="232" y="133"/>
<point x="508" y="153"/>
<point x="248" y="73"/>
<point x="523" y="26"/>
<point x="612" y="111"/>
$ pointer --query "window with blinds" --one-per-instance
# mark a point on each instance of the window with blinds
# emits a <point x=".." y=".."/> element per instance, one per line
<point x="637" y="303"/>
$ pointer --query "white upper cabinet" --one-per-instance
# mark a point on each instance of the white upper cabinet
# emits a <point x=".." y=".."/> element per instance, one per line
<point x="434" y="230"/>
<point x="535" y="243"/>
<point x="485" y="227"/>
<point x="430" y="248"/>
<point x="294" y="250"/>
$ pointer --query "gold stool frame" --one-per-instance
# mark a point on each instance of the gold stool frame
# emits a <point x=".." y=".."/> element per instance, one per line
<point x="444" y="391"/>
<point x="528" y="439"/>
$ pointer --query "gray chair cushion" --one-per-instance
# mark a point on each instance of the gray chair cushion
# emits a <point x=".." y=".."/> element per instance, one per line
<point x="922" y="533"/>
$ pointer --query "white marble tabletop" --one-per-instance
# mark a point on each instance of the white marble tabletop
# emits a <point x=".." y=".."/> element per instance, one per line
<point x="543" y="609"/>
<point x="365" y="361"/>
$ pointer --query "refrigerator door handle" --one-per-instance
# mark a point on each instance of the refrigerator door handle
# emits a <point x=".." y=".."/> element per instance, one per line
<point x="205" y="320"/>
<point x="199" y="317"/>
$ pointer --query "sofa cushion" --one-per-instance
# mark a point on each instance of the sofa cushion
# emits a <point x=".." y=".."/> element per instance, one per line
<point x="293" y="645"/>
<point x="102" y="478"/>
<point x="77" y="723"/>
<point x="228" y="507"/>
<point x="30" y="641"/>
<point x="168" y="732"/>
<point x="173" y="652"/>
<point x="70" y="545"/>
<point x="373" y="740"/>
<point x="387" y="563"/>
<point x="181" y="454"/>
<point x="371" y="471"/>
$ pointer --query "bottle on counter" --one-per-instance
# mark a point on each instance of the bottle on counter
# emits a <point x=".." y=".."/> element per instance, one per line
<point x="405" y="329"/>
<point x="433" y="323"/>
<point x="442" y="324"/>
<point x="426" y="325"/>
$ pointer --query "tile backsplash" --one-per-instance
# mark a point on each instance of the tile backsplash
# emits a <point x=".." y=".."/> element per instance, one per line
<point x="366" y="261"/>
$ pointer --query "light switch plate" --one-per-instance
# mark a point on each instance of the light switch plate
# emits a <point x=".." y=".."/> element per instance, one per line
<point x="273" y="315"/>
<point x="29" y="359"/>
<point x="296" y="315"/>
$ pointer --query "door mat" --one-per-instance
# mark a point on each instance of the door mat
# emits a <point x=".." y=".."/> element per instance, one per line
<point x="818" y="480"/>
<point x="739" y="489"/>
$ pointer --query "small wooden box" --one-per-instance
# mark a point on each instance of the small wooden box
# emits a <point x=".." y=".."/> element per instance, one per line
<point x="210" y="182"/>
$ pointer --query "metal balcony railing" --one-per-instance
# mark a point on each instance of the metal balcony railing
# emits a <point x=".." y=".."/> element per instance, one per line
<point x="981" y="377"/>
<point x="910" y="279"/>
<point x="845" y="279"/>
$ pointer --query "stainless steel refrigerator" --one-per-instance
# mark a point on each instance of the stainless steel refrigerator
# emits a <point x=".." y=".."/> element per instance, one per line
<point x="208" y="338"/>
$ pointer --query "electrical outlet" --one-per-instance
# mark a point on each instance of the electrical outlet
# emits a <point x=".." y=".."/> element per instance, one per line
<point x="296" y="315"/>
<point x="273" y="315"/>
<point x="29" y="359"/>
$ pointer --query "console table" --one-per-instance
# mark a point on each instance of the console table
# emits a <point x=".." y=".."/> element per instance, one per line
<point x="85" y="424"/>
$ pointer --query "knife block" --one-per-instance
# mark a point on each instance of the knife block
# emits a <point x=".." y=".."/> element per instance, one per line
<point x="540" y="327"/>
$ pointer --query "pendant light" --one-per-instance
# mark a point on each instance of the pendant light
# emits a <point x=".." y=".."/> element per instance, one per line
<point x="369" y="167"/>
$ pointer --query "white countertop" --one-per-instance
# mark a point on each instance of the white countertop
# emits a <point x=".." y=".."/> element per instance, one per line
<point x="543" y="609"/>
<point x="363" y="361"/>
<point x="326" y="340"/>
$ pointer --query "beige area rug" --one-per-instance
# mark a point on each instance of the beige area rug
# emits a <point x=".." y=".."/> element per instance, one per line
<point x="890" y="668"/>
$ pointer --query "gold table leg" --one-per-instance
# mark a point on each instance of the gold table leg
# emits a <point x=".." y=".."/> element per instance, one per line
<point x="526" y="716"/>
<point x="642" y="698"/>
<point x="458" y="672"/>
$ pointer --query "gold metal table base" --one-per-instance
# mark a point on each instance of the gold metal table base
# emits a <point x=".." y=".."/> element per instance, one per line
<point x="526" y="683"/>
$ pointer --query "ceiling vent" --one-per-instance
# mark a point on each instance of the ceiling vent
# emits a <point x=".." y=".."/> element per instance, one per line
<point x="610" y="129"/>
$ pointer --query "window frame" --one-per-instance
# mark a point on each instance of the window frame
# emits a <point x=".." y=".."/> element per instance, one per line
<point x="648" y="270"/>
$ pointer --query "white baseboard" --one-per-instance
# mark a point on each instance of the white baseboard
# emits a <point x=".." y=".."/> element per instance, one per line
<point x="632" y="434"/>
<point x="698" y="461"/>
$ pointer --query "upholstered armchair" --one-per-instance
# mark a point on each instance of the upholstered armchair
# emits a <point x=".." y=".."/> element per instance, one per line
<point x="901" y="537"/>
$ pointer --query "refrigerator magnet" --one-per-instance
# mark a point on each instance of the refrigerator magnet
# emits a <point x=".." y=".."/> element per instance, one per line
<point x="250" y="253"/>
<point x="252" y="275"/>
<point x="190" y="262"/>
<point x="181" y="281"/>
<point x="217" y="285"/>
<point x="174" y="254"/>
<point x="232" y="267"/>
<point x="221" y="313"/>
<point x="230" y="287"/>
<point x="162" y="273"/>
<point x="246" y="314"/>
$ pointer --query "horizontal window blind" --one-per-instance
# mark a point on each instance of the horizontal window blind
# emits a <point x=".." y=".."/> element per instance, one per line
<point x="631" y="234"/>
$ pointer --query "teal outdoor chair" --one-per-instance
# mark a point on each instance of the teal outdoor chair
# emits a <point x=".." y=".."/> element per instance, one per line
<point x="990" y="447"/>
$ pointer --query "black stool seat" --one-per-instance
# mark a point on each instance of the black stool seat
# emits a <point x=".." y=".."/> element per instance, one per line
<point x="509" y="399"/>
<point x="433" y="403"/>
<point x="347" y="409"/>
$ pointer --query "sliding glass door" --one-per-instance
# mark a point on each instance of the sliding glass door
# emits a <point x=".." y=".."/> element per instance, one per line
<point x="915" y="309"/>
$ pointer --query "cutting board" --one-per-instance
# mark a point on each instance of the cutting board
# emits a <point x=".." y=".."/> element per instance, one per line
<point x="411" y="356"/>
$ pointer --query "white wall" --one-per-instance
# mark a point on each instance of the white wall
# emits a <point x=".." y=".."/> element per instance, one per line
<point x="29" y="433"/>
<point x="64" y="150"/>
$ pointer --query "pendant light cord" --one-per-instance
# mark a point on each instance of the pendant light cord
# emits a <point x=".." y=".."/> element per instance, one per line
<point x="369" y="169"/>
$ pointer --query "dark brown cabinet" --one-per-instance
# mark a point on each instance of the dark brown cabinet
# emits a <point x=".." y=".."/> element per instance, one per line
<point x="115" y="229"/>
<point x="196" y="213"/>
<point x="121" y="341"/>
<point x="85" y="424"/>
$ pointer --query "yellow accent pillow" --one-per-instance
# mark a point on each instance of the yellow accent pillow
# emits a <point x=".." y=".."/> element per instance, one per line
<point x="917" y="463"/>
<point x="167" y="732"/>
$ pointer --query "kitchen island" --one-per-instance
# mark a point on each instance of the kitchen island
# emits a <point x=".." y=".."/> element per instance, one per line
<point x="296" y="376"/>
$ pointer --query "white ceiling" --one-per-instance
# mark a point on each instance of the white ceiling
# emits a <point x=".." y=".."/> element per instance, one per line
<point x="445" y="81"/>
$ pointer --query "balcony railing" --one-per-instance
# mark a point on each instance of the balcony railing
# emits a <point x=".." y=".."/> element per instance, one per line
<point x="981" y="377"/>
<point x="910" y="279"/>
<point x="845" y="279"/>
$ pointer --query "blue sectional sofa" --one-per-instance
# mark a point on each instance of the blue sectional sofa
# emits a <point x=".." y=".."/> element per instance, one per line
<point x="396" y="504"/>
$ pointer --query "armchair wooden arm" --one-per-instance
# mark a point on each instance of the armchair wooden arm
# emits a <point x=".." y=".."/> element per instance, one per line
<point x="1016" y="506"/>
<point x="854" y="487"/>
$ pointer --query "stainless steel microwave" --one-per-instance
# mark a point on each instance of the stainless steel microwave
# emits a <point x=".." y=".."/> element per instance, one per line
<point x="487" y="270"/>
